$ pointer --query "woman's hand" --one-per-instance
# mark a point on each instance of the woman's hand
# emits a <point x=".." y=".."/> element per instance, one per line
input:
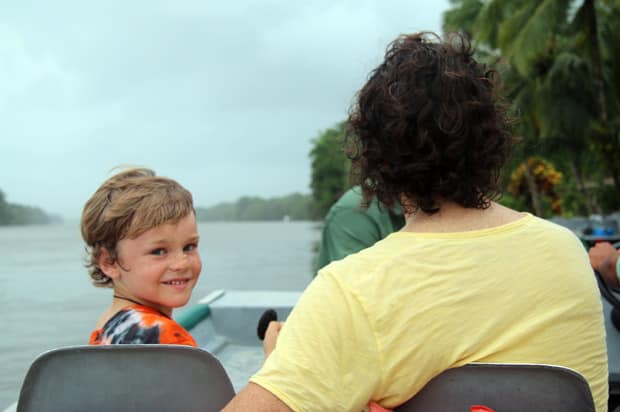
<point x="271" y="336"/>
<point x="603" y="258"/>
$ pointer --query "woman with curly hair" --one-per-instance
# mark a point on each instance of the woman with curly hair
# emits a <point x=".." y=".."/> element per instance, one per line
<point x="466" y="279"/>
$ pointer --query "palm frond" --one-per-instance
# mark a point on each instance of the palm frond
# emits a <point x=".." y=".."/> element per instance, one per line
<point x="487" y="23"/>
<point x="461" y="19"/>
<point x="535" y="37"/>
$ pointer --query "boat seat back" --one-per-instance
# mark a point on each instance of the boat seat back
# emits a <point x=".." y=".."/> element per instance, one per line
<point x="504" y="388"/>
<point x="125" y="378"/>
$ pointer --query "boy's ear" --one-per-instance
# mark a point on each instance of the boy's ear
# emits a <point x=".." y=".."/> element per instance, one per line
<point x="107" y="265"/>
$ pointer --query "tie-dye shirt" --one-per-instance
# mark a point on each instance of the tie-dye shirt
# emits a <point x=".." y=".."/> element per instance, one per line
<point x="142" y="325"/>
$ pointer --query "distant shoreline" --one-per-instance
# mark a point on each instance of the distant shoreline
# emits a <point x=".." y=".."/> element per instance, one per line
<point x="293" y="207"/>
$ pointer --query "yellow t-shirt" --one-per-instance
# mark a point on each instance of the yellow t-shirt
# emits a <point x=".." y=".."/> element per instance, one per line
<point x="379" y="324"/>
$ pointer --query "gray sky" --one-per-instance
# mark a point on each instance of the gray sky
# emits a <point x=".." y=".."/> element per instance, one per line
<point x="223" y="97"/>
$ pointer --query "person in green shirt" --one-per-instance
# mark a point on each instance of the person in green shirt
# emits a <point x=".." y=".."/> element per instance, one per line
<point x="349" y="227"/>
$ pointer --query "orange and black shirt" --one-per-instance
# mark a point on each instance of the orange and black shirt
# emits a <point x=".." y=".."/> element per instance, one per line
<point x="141" y="325"/>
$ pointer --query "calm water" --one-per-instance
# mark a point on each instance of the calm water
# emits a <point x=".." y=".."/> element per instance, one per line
<point x="47" y="300"/>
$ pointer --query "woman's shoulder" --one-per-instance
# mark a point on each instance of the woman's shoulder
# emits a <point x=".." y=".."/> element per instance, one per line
<point x="554" y="230"/>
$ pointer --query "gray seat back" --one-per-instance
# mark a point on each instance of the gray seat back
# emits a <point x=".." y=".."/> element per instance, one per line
<point x="125" y="378"/>
<point x="504" y="388"/>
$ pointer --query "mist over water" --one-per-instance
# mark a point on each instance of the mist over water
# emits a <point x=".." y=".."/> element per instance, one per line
<point x="47" y="300"/>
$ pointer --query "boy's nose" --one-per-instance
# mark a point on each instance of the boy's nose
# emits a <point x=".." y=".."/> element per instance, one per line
<point x="179" y="262"/>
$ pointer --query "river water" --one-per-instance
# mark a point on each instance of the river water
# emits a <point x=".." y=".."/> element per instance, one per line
<point x="48" y="301"/>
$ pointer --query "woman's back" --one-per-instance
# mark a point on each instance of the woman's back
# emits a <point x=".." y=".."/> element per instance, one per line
<point x="522" y="292"/>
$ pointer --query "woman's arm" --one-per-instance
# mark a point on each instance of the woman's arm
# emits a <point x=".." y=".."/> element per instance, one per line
<point x="256" y="399"/>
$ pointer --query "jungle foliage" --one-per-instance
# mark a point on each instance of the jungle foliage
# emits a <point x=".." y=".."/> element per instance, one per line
<point x="560" y="65"/>
<point x="330" y="169"/>
<point x="559" y="61"/>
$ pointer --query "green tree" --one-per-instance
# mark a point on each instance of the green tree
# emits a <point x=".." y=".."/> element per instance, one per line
<point x="559" y="60"/>
<point x="330" y="169"/>
<point x="462" y="16"/>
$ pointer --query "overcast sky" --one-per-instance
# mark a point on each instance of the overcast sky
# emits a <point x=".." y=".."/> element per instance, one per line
<point x="224" y="97"/>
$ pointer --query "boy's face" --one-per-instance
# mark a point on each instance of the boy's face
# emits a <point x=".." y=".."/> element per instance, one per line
<point x="160" y="267"/>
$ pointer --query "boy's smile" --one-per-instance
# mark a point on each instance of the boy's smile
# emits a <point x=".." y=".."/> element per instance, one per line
<point x="160" y="267"/>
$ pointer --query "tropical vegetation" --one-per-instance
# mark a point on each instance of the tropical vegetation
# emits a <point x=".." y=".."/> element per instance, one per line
<point x="560" y="65"/>
<point x="329" y="169"/>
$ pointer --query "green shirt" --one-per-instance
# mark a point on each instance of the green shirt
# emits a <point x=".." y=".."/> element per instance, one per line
<point x="350" y="228"/>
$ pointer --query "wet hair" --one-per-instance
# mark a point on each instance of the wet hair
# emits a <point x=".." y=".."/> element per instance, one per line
<point x="125" y="206"/>
<point x="429" y="126"/>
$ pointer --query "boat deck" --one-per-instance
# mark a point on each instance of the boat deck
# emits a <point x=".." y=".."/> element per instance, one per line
<point x="230" y="330"/>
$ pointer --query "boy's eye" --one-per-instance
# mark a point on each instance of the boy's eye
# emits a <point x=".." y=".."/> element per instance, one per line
<point x="190" y="247"/>
<point x="158" y="252"/>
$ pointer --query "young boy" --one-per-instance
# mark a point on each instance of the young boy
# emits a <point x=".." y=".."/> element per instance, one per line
<point x="141" y="235"/>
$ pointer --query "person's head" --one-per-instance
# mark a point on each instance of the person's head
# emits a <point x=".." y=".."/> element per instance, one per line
<point x="141" y="236"/>
<point x="428" y="127"/>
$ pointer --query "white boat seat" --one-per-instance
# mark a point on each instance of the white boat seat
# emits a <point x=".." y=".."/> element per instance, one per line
<point x="125" y="378"/>
<point x="504" y="388"/>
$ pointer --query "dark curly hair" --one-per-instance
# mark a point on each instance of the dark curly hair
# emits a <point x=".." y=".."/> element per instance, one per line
<point x="429" y="126"/>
